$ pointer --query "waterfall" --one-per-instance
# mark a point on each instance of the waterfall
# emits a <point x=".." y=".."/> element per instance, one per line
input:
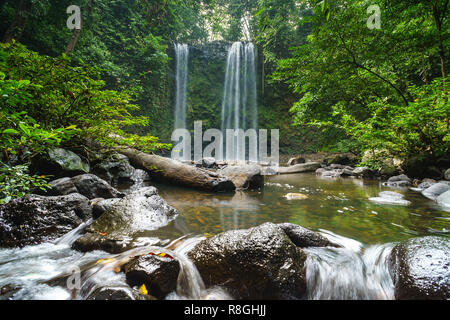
<point x="239" y="109"/>
<point x="182" y="58"/>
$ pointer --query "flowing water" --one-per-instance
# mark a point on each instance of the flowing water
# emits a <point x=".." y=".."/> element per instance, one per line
<point x="182" y="59"/>
<point x="239" y="109"/>
<point x="339" y="209"/>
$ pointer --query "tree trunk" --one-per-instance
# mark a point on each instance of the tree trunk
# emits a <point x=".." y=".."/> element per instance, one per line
<point x="17" y="26"/>
<point x="73" y="41"/>
<point x="439" y="17"/>
<point x="170" y="171"/>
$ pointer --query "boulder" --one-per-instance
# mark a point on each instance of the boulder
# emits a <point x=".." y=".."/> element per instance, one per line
<point x="115" y="170"/>
<point x="88" y="185"/>
<point x="398" y="178"/>
<point x="244" y="177"/>
<point x="207" y="162"/>
<point x="397" y="184"/>
<point x="447" y="174"/>
<point x="436" y="190"/>
<point x="34" y="219"/>
<point x="102" y="205"/>
<point x="334" y="173"/>
<point x="113" y="293"/>
<point x="299" y="168"/>
<point x="142" y="210"/>
<point x="258" y="263"/>
<point x="305" y="238"/>
<point x="426" y="183"/>
<point x="159" y="274"/>
<point x="59" y="163"/>
<point x="444" y="199"/>
<point x="420" y="268"/>
<point x="361" y="171"/>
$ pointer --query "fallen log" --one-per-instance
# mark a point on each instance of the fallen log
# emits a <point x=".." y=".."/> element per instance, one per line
<point x="174" y="172"/>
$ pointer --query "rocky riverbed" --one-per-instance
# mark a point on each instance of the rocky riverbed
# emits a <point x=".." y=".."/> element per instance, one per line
<point x="128" y="242"/>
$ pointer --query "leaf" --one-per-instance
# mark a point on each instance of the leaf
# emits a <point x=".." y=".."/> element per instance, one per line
<point x="199" y="219"/>
<point x="10" y="131"/>
<point x="143" y="290"/>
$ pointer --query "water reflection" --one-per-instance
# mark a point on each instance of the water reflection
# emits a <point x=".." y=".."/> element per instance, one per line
<point x="339" y="205"/>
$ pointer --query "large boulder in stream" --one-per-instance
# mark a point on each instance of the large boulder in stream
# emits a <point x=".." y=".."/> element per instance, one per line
<point x="244" y="177"/>
<point x="259" y="263"/>
<point x="88" y="185"/>
<point x="140" y="211"/>
<point x="420" y="268"/>
<point x="34" y="219"/>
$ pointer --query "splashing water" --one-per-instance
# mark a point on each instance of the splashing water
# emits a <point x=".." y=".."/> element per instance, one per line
<point x="348" y="273"/>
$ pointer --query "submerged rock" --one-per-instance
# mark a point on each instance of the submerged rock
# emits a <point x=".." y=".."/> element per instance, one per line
<point x="389" y="197"/>
<point x="88" y="185"/>
<point x="420" y="268"/>
<point x="143" y="210"/>
<point x="159" y="274"/>
<point x="244" y="177"/>
<point x="296" y="196"/>
<point x="258" y="263"/>
<point x="34" y="219"/>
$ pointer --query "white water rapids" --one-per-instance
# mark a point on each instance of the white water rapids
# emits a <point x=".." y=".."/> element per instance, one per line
<point x="351" y="272"/>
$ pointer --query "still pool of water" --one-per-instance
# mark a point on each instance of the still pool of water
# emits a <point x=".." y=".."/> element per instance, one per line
<point x="340" y="206"/>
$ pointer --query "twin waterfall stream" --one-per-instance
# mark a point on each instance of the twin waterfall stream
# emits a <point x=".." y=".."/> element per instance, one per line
<point x="239" y="102"/>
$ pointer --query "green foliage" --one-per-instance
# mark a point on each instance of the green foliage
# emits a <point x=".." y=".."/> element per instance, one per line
<point x="61" y="100"/>
<point x="15" y="182"/>
<point x="380" y="88"/>
<point x="420" y="127"/>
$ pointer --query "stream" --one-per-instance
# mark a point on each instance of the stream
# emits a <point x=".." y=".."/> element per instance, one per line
<point x="339" y="209"/>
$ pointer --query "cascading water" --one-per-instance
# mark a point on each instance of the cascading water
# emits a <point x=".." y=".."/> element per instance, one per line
<point x="182" y="58"/>
<point x="348" y="273"/>
<point x="239" y="108"/>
